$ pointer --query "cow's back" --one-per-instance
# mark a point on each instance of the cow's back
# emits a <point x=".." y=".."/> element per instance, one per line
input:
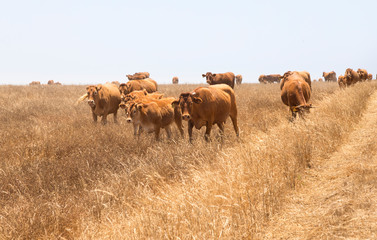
<point x="226" y="78"/>
<point x="112" y="95"/>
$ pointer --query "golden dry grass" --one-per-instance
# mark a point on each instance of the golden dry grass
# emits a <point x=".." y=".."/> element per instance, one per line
<point x="63" y="177"/>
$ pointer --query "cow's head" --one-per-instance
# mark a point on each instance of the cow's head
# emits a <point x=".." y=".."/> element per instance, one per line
<point x="302" y="109"/>
<point x="210" y="77"/>
<point x="130" y="77"/>
<point x="185" y="103"/>
<point x="131" y="112"/>
<point x="123" y="89"/>
<point x="93" y="95"/>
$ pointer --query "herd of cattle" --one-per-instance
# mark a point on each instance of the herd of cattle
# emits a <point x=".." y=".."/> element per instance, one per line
<point x="50" y="82"/>
<point x="150" y="111"/>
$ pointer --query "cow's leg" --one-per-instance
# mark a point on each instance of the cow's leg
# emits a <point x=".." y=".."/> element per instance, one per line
<point x="168" y="131"/>
<point x="190" y="125"/>
<point x="208" y="131"/>
<point x="104" y="119"/>
<point x="136" y="128"/>
<point x="221" y="127"/>
<point x="116" y="117"/>
<point x="94" y="117"/>
<point x="157" y="133"/>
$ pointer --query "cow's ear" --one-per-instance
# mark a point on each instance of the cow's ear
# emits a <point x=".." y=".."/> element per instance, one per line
<point x="99" y="87"/>
<point x="197" y="100"/>
<point x="175" y="103"/>
<point x="203" y="75"/>
<point x="145" y="92"/>
<point x="87" y="88"/>
<point x="139" y="106"/>
<point x="214" y="74"/>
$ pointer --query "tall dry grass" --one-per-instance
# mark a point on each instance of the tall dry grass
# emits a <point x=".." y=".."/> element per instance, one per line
<point x="63" y="177"/>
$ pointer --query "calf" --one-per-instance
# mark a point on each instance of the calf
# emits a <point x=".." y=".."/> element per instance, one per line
<point x="206" y="106"/>
<point x="152" y="115"/>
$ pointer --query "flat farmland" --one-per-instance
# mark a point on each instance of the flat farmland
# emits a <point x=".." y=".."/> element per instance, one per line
<point x="61" y="176"/>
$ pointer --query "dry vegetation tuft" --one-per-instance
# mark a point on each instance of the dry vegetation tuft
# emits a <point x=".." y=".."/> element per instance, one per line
<point x="63" y="177"/>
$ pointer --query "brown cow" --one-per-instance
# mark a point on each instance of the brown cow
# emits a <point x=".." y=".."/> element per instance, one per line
<point x="175" y="80"/>
<point x="116" y="83"/>
<point x="363" y="74"/>
<point x="133" y="85"/>
<point x="154" y="114"/>
<point x="271" y="78"/>
<point x="139" y="94"/>
<point x="206" y="106"/>
<point x="329" y="76"/>
<point x="296" y="94"/>
<point x="34" y="83"/>
<point x="218" y="78"/>
<point x="320" y="80"/>
<point x="342" y="81"/>
<point x="57" y="83"/>
<point x="103" y="99"/>
<point x="351" y="77"/>
<point x="50" y="82"/>
<point x="370" y="76"/>
<point x="238" y="79"/>
<point x="303" y="74"/>
<point x="138" y="76"/>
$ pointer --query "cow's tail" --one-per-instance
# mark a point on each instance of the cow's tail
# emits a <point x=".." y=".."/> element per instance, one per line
<point x="82" y="98"/>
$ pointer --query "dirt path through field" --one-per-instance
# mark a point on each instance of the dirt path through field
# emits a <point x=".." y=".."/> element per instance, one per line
<point x="337" y="199"/>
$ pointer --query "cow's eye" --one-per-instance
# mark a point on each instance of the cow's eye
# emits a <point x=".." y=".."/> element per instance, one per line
<point x="94" y="93"/>
<point x="134" y="111"/>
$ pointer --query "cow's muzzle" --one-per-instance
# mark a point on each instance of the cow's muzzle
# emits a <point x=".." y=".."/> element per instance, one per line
<point x="91" y="103"/>
<point x="186" y="117"/>
<point x="129" y="120"/>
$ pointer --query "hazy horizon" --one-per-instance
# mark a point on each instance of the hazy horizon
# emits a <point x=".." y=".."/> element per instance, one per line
<point x="90" y="42"/>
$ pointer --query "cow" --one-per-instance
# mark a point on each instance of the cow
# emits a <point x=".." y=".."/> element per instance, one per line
<point x="342" y="81"/>
<point x="370" y="76"/>
<point x="117" y="83"/>
<point x="57" y="83"/>
<point x="271" y="78"/>
<point x="103" y="99"/>
<point x="296" y="94"/>
<point x="363" y="74"/>
<point x="50" y="82"/>
<point x="303" y="74"/>
<point x="238" y="79"/>
<point x="138" y="76"/>
<point x="320" y="80"/>
<point x="218" y="78"/>
<point x="351" y="77"/>
<point x="175" y="80"/>
<point x="153" y="114"/>
<point x="206" y="106"/>
<point x="329" y="76"/>
<point x="34" y="83"/>
<point x="133" y="85"/>
<point x="139" y="94"/>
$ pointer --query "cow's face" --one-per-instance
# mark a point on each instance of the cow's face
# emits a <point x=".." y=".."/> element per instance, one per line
<point x="209" y="77"/>
<point x="123" y="90"/>
<point x="92" y="92"/>
<point x="185" y="103"/>
<point x="132" y="112"/>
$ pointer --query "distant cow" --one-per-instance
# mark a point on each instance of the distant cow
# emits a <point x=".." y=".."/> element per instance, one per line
<point x="296" y="94"/>
<point x="329" y="76"/>
<point x="138" y="76"/>
<point x="34" y="83"/>
<point x="320" y="80"/>
<point x="363" y="74"/>
<point x="50" y="82"/>
<point x="271" y="78"/>
<point x="218" y="78"/>
<point x="351" y="77"/>
<point x="133" y="85"/>
<point x="103" y="99"/>
<point x="206" y="106"/>
<point x="116" y="83"/>
<point x="152" y="115"/>
<point x="175" y="80"/>
<point x="57" y="83"/>
<point x="370" y="76"/>
<point x="238" y="79"/>
<point x="303" y="74"/>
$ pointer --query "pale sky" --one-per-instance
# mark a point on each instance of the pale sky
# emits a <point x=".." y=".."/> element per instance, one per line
<point x="92" y="41"/>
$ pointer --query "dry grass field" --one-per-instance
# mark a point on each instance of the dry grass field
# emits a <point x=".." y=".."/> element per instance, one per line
<point x="63" y="177"/>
